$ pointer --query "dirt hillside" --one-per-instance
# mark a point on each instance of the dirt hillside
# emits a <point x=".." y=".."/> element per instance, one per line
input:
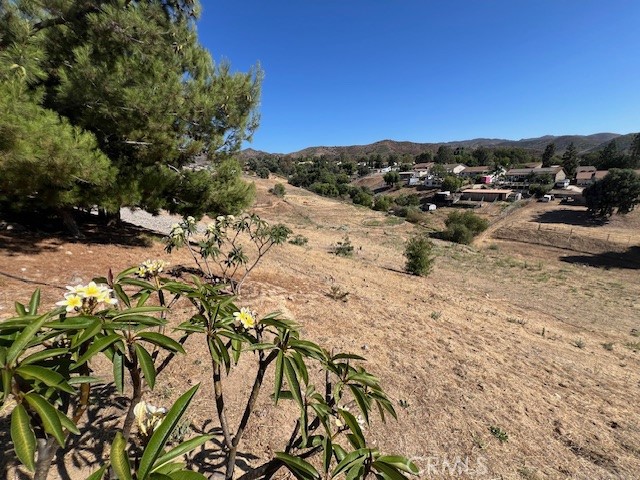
<point x="506" y="339"/>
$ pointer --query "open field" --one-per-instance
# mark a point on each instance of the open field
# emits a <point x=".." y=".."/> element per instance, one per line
<point x="506" y="334"/>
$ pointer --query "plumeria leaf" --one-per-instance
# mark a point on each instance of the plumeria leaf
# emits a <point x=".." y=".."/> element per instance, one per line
<point x="160" y="436"/>
<point x="300" y="468"/>
<point x="48" y="414"/>
<point x="161" y="340"/>
<point x="119" y="458"/>
<point x="146" y="362"/>
<point x="45" y="375"/>
<point x="34" y="303"/>
<point x="24" y="338"/>
<point x="24" y="440"/>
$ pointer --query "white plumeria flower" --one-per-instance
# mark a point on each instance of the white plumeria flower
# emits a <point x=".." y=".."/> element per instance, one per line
<point x="220" y="218"/>
<point x="191" y="220"/>
<point x="246" y="317"/>
<point x="91" y="291"/>
<point x="78" y="289"/>
<point x="71" y="301"/>
<point x="148" y="417"/>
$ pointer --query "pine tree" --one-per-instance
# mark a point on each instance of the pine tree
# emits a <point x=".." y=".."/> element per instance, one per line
<point x="547" y="156"/>
<point x="134" y="75"/>
<point x="570" y="160"/>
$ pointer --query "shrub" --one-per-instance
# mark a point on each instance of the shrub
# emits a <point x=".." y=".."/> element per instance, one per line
<point x="343" y="248"/>
<point x="363" y="198"/>
<point x="451" y="183"/>
<point x="278" y="190"/>
<point x="299" y="240"/>
<point x="382" y="203"/>
<point x="418" y="254"/>
<point x="262" y="172"/>
<point x="235" y="244"/>
<point x="415" y="215"/>
<point x="463" y="226"/>
<point x="411" y="200"/>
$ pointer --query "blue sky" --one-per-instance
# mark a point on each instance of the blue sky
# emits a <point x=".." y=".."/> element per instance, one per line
<point x="349" y="72"/>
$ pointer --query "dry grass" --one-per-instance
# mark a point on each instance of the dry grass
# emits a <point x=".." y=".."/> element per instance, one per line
<point x="567" y="412"/>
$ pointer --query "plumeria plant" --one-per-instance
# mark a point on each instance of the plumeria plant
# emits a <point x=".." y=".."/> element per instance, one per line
<point x="45" y="366"/>
<point x="230" y="247"/>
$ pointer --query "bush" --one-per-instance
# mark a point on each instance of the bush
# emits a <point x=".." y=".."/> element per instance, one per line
<point x="278" y="190"/>
<point x="451" y="183"/>
<point x="299" y="240"/>
<point x="382" y="203"/>
<point x="262" y="172"/>
<point x="363" y="198"/>
<point x="415" y="215"/>
<point x="411" y="200"/>
<point x="343" y="248"/>
<point x="463" y="226"/>
<point x="418" y="254"/>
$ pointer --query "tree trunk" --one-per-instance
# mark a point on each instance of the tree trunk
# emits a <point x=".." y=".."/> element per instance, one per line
<point x="46" y="451"/>
<point x="70" y="223"/>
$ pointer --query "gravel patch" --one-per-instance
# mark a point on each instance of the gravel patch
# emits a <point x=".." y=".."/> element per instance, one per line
<point x="159" y="223"/>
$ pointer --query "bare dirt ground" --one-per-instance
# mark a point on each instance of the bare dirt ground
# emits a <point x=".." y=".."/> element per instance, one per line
<point x="505" y="334"/>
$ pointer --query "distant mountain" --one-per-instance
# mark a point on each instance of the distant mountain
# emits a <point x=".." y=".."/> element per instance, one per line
<point x="584" y="144"/>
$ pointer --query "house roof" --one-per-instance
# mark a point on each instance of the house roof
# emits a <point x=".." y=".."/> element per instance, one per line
<point x="527" y="171"/>
<point x="423" y="166"/>
<point x="584" y="175"/>
<point x="600" y="174"/>
<point x="586" y="168"/>
<point x="451" y="166"/>
<point x="496" y="191"/>
<point x="481" y="169"/>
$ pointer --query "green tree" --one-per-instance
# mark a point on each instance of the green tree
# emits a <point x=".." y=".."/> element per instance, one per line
<point x="44" y="159"/>
<point x="134" y="75"/>
<point x="463" y="226"/>
<point x="391" y="178"/>
<point x="444" y="155"/>
<point x="418" y="254"/>
<point x="547" y="155"/>
<point x="570" y="160"/>
<point x="451" y="183"/>
<point x="618" y="191"/>
<point x="382" y="203"/>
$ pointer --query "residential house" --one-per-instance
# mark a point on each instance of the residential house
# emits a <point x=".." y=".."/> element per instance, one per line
<point x="486" y="195"/>
<point x="521" y="177"/>
<point x="584" y="179"/>
<point x="454" y="168"/>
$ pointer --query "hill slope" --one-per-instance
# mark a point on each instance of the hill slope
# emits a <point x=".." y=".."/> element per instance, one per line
<point x="584" y="144"/>
<point x="505" y="336"/>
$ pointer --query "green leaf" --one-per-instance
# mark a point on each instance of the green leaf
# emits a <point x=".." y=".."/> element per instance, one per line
<point x="121" y="295"/>
<point x="348" y="460"/>
<point x="292" y="379"/>
<point x="6" y="383"/>
<point x="24" y="440"/>
<point x="142" y="299"/>
<point x="162" y="433"/>
<point x="120" y="459"/>
<point x="96" y="347"/>
<point x="327" y="450"/>
<point x="388" y="470"/>
<point x="297" y="466"/>
<point x="48" y="414"/>
<point x="118" y="370"/>
<point x="34" y="303"/>
<point x="24" y="338"/>
<point x="347" y="356"/>
<point x="139" y="311"/>
<point x="125" y="273"/>
<point x="90" y="332"/>
<point x="146" y="362"/>
<point x="279" y="371"/>
<point x="43" y="355"/>
<point x="98" y="474"/>
<point x="84" y="379"/>
<point x="400" y="462"/>
<point x="364" y="404"/>
<point x="137" y="283"/>
<point x="161" y="340"/>
<point x="187" y="475"/>
<point x="20" y="309"/>
<point x="183" y="448"/>
<point x="67" y="423"/>
<point x="352" y="423"/>
<point x="44" y="375"/>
